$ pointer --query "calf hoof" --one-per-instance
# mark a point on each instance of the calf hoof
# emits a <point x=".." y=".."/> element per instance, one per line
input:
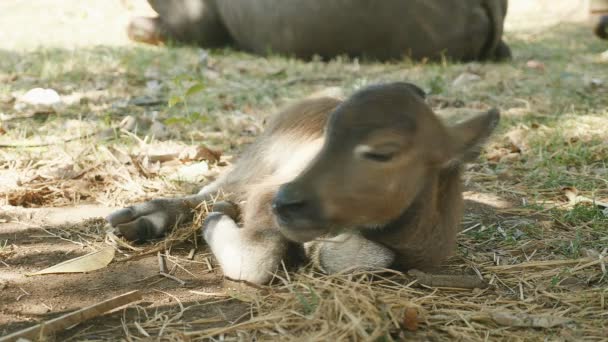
<point x="145" y="30"/>
<point x="143" y="228"/>
<point x="150" y="220"/>
<point x="226" y="208"/>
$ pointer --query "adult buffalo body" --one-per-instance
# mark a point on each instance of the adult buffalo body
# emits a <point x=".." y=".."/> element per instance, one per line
<point x="383" y="30"/>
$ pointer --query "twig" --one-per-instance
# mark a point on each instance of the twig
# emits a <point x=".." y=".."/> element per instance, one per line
<point x="62" y="141"/>
<point x="79" y="316"/>
<point x="162" y="265"/>
<point x="449" y="280"/>
<point x="166" y="275"/>
<point x="210" y="294"/>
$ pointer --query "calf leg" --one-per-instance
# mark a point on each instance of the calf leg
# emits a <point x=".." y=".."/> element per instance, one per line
<point x="244" y="254"/>
<point x="155" y="218"/>
<point x="349" y="252"/>
<point x="252" y="252"/>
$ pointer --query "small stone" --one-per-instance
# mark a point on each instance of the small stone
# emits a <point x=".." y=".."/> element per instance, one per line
<point x="145" y="101"/>
<point x="41" y="96"/>
<point x="40" y="100"/>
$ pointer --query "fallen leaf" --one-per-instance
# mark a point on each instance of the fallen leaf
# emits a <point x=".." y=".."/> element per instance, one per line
<point x="145" y="167"/>
<point x="518" y="139"/>
<point x="498" y="154"/>
<point x="410" y="319"/>
<point x="119" y="154"/>
<point x="131" y="123"/>
<point x="162" y="151"/>
<point x="86" y="263"/>
<point x="534" y="64"/>
<point x="465" y="78"/>
<point x="528" y="321"/>
<point x="191" y="173"/>
<point x="163" y="157"/>
<point x="574" y="198"/>
<point x="128" y="123"/>
<point x="200" y="152"/>
<point x="29" y="198"/>
<point x="64" y="170"/>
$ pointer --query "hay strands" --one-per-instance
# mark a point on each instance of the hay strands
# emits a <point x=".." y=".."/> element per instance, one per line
<point x="62" y="322"/>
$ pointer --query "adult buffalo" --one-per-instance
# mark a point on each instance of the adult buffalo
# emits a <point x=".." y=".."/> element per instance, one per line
<point x="383" y="30"/>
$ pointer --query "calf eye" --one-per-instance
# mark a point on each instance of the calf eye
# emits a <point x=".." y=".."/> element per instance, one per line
<point x="378" y="156"/>
<point x="382" y="153"/>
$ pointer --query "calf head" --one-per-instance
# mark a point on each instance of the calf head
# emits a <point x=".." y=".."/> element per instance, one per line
<point x="382" y="146"/>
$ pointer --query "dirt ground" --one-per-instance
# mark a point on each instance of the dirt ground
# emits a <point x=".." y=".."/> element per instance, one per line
<point x="535" y="227"/>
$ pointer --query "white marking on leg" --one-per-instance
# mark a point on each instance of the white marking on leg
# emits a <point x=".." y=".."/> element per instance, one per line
<point x="239" y="258"/>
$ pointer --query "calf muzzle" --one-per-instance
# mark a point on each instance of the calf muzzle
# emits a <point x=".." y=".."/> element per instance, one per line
<point x="297" y="213"/>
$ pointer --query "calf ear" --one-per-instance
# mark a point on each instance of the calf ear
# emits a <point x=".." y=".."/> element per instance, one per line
<point x="468" y="136"/>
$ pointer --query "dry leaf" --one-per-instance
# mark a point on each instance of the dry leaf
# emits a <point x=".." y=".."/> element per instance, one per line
<point x="145" y="167"/>
<point x="574" y="198"/>
<point x="517" y="139"/>
<point x="163" y="157"/>
<point x="497" y="154"/>
<point x="86" y="263"/>
<point x="466" y="78"/>
<point x="534" y="64"/>
<point x="200" y="152"/>
<point x="191" y="173"/>
<point x="119" y="154"/>
<point x="410" y="319"/>
<point x="528" y="321"/>
<point x="29" y="198"/>
<point x="59" y="171"/>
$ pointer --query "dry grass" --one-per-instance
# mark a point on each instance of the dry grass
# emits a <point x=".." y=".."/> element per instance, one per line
<point x="541" y="253"/>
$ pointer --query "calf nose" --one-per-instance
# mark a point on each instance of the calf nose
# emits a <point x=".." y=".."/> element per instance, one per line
<point x="293" y="208"/>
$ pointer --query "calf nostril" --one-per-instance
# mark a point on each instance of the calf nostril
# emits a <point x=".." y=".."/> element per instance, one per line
<point x="282" y="206"/>
<point x="288" y="202"/>
<point x="295" y="207"/>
